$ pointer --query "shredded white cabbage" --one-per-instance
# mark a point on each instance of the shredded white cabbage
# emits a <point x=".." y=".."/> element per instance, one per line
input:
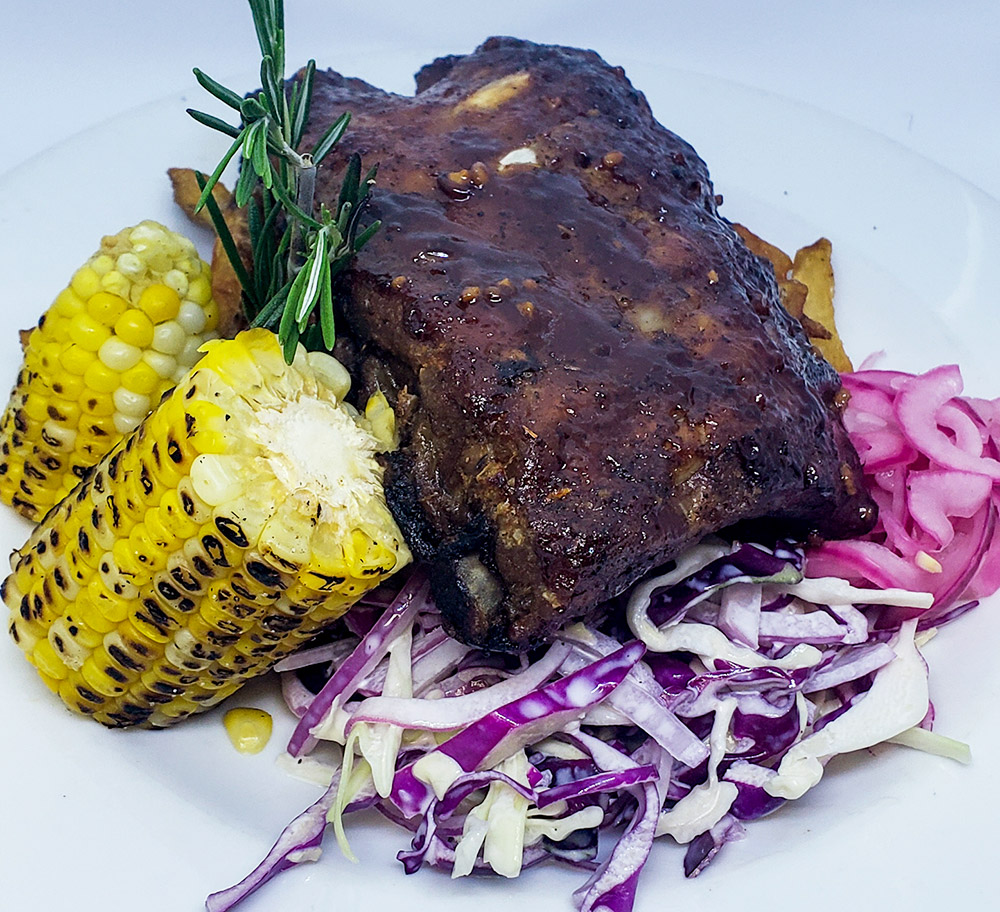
<point x="898" y="700"/>
<point x="706" y="804"/>
<point x="379" y="742"/>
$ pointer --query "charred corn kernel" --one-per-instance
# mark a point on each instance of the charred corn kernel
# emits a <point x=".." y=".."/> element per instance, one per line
<point x="127" y="327"/>
<point x="243" y="515"/>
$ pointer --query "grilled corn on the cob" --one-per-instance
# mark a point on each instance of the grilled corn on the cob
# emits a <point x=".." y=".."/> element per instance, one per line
<point x="244" y="514"/>
<point x="122" y="333"/>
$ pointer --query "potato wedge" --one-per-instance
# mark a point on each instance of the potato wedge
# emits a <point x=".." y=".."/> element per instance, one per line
<point x="806" y="286"/>
<point x="812" y="267"/>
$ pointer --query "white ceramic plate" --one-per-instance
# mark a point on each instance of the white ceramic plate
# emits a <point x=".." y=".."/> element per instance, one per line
<point x="100" y="820"/>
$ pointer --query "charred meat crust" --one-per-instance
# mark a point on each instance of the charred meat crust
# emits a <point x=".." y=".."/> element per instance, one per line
<point x="591" y="370"/>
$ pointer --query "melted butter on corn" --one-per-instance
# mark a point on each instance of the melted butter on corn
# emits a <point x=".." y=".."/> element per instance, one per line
<point x="240" y="518"/>
<point x="122" y="333"/>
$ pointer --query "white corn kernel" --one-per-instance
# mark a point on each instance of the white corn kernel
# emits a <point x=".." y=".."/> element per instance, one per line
<point x="125" y="424"/>
<point x="217" y="479"/>
<point x="116" y="283"/>
<point x="119" y="355"/>
<point x="63" y="435"/>
<point x="133" y="404"/>
<point x="189" y="355"/>
<point x="128" y="264"/>
<point x="176" y="280"/>
<point x="191" y="317"/>
<point x="147" y="232"/>
<point x="169" y="338"/>
<point x="331" y="372"/>
<point x="164" y="365"/>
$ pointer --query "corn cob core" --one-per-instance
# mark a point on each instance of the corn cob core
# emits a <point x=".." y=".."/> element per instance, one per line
<point x="241" y="517"/>
<point x="122" y="333"/>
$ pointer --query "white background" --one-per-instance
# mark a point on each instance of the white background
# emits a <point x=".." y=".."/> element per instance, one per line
<point x="925" y="73"/>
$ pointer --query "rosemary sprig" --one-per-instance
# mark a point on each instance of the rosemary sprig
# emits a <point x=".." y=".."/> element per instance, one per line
<point x="296" y="254"/>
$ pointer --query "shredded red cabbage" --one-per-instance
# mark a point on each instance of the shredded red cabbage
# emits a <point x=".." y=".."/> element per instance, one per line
<point x="715" y="695"/>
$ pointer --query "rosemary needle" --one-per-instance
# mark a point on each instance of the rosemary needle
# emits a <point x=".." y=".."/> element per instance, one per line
<point x="296" y="253"/>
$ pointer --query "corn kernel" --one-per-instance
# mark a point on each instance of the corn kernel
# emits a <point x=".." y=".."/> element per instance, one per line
<point x="159" y="303"/>
<point x="211" y="316"/>
<point x="129" y="403"/>
<point x="119" y="355"/>
<point x="68" y="303"/>
<point x="75" y="359"/>
<point x="169" y="338"/>
<point x="159" y="534"/>
<point x="71" y="696"/>
<point x="125" y="424"/>
<point x="87" y="332"/>
<point x="106" y="307"/>
<point x="98" y="680"/>
<point x="49" y="357"/>
<point x="164" y="365"/>
<point x="100" y="378"/>
<point x="47" y="661"/>
<point x="97" y="406"/>
<point x="102" y="264"/>
<point x="63" y="438"/>
<point x="85" y="282"/>
<point x="65" y="411"/>
<point x="36" y="407"/>
<point x="128" y="264"/>
<point x="190" y="354"/>
<point x="134" y="327"/>
<point x="147" y="234"/>
<point x="176" y="280"/>
<point x="68" y="385"/>
<point x="191" y="317"/>
<point x="200" y="289"/>
<point x="116" y="283"/>
<point x="141" y="379"/>
<point x="100" y="426"/>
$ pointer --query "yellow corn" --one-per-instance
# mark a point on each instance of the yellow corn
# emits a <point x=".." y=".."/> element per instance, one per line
<point x="243" y="515"/>
<point x="127" y="327"/>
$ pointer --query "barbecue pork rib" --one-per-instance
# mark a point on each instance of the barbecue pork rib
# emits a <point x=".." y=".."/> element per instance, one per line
<point x="590" y="370"/>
